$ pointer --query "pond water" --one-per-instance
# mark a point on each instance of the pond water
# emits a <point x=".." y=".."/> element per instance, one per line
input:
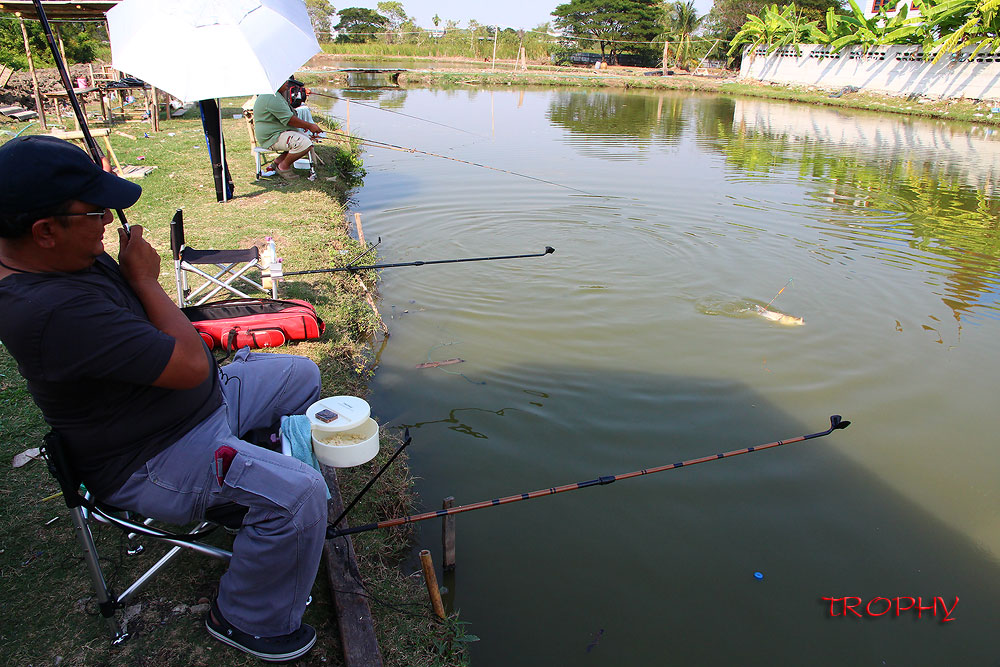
<point x="638" y="344"/>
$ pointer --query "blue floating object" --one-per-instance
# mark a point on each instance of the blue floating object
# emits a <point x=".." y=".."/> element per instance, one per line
<point x="758" y="575"/>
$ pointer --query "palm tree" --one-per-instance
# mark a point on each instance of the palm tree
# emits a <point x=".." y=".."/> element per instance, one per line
<point x="680" y="20"/>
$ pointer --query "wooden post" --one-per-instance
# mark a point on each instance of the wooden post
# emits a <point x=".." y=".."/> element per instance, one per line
<point x="34" y="77"/>
<point x="432" y="584"/>
<point x="62" y="48"/>
<point x="496" y="32"/>
<point x="357" y="225"/>
<point x="348" y="120"/>
<point x="156" y="111"/>
<point x="448" y="536"/>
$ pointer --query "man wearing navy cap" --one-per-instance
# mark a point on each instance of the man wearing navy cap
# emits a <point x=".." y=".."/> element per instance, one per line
<point x="139" y="403"/>
<point x="274" y="125"/>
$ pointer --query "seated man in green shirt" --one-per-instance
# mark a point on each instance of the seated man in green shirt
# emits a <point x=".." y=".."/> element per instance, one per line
<point x="275" y="123"/>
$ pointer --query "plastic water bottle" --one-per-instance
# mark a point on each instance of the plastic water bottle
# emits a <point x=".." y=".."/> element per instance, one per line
<point x="268" y="257"/>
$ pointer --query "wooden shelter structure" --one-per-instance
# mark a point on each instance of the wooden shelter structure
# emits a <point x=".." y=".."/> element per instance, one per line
<point x="55" y="10"/>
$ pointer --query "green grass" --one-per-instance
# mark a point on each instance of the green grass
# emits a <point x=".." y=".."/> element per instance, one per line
<point x="48" y="615"/>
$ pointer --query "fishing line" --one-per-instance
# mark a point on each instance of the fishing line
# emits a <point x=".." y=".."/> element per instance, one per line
<point x="778" y="294"/>
<point x="400" y="113"/>
<point x="836" y="423"/>
<point x="404" y="149"/>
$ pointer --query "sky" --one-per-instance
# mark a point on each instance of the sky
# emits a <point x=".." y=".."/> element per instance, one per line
<point x="507" y="13"/>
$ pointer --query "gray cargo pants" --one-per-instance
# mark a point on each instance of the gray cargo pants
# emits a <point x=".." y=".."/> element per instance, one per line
<point x="277" y="551"/>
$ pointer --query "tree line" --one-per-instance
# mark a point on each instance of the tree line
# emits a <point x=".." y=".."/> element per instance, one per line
<point x="654" y="31"/>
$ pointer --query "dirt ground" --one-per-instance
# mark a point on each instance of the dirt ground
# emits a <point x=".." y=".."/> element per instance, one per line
<point x="19" y="92"/>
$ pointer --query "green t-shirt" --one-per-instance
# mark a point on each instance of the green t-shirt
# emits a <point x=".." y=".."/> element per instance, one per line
<point x="270" y="118"/>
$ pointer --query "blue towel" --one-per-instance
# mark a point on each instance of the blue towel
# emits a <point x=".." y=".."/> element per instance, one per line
<point x="297" y="432"/>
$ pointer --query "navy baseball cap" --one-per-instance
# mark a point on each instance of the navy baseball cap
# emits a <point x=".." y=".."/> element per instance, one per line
<point x="42" y="171"/>
<point x="295" y="82"/>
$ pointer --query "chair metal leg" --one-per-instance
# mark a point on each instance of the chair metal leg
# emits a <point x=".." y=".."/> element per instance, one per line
<point x="105" y="601"/>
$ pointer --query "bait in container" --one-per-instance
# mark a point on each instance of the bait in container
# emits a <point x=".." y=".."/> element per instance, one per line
<point x="343" y="432"/>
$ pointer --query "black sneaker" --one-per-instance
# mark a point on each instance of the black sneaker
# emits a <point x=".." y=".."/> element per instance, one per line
<point x="269" y="649"/>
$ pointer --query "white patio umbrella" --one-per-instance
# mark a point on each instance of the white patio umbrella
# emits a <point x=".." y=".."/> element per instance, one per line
<point x="205" y="49"/>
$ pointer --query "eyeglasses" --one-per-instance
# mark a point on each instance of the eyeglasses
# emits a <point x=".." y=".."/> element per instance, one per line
<point x="94" y="214"/>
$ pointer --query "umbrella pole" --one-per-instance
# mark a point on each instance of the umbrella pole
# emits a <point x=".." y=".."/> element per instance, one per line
<point x="222" y="154"/>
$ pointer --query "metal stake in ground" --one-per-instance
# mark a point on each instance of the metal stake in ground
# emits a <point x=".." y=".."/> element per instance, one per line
<point x="836" y="422"/>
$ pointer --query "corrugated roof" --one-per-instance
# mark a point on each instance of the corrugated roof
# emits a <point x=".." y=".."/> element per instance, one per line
<point x="61" y="10"/>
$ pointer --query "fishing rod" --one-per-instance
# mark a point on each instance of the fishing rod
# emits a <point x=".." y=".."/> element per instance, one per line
<point x="370" y="250"/>
<point x="836" y="422"/>
<point x="81" y="118"/>
<point x="372" y="106"/>
<point x="778" y="294"/>
<point x="404" y="149"/>
<point x="548" y="250"/>
<point x="385" y="466"/>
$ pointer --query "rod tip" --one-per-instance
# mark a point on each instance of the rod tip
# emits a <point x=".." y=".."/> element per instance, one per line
<point x="549" y="250"/>
<point x="838" y="422"/>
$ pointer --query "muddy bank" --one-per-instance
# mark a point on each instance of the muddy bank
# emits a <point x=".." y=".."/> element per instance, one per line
<point x="19" y="91"/>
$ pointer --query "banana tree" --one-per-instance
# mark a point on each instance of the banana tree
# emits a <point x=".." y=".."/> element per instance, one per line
<point x="854" y="29"/>
<point x="775" y="29"/>
<point x="978" y="26"/>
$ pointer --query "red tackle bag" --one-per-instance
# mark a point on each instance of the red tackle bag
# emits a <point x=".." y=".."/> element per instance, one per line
<point x="236" y="323"/>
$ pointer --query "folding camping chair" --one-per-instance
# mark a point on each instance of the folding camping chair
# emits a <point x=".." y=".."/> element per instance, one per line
<point x="84" y="509"/>
<point x="229" y="266"/>
<point x="260" y="154"/>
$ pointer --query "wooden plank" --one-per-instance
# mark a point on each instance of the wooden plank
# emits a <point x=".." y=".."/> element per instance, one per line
<point x="354" y="617"/>
<point x="78" y="134"/>
<point x="5" y="73"/>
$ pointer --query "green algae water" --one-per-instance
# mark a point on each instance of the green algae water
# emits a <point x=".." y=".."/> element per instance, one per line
<point x="638" y="343"/>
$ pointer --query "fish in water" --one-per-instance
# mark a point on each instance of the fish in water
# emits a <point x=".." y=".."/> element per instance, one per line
<point x="597" y="640"/>
<point x="780" y="318"/>
<point x="435" y="364"/>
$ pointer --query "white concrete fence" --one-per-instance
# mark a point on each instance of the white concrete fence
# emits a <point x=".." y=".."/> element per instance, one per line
<point x="896" y="70"/>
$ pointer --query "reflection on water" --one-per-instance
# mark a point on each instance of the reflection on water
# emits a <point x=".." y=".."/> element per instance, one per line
<point x="638" y="343"/>
<point x="893" y="186"/>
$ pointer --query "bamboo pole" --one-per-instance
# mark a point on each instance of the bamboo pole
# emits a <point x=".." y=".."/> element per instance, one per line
<point x="371" y="302"/>
<point x="432" y="585"/>
<point x="347" y="121"/>
<point x="34" y="77"/>
<point x="357" y="225"/>
<point x="368" y="295"/>
<point x="62" y="47"/>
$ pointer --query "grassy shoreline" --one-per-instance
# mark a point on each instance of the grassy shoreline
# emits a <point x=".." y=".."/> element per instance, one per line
<point x="49" y="614"/>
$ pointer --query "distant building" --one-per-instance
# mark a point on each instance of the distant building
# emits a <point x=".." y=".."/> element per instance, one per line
<point x="892" y="6"/>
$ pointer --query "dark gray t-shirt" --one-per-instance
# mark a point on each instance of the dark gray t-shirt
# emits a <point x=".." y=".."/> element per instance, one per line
<point x="89" y="353"/>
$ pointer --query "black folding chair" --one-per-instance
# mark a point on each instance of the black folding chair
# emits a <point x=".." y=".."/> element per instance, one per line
<point x="225" y="269"/>
<point x="84" y="508"/>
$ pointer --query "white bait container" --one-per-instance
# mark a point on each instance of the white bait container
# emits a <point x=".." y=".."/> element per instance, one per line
<point x="347" y="439"/>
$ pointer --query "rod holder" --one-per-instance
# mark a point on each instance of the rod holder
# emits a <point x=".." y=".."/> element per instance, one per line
<point x="432" y="584"/>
